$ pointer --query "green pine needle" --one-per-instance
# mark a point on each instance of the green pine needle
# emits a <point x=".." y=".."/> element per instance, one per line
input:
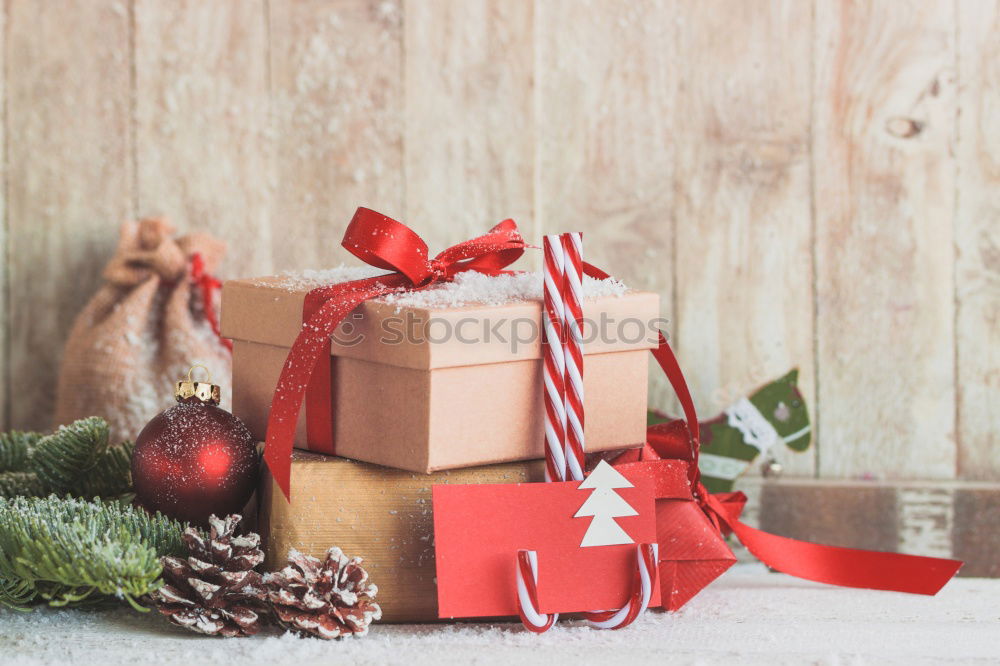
<point x="111" y="474"/>
<point x="16" y="449"/>
<point x="16" y="593"/>
<point x="21" y="483"/>
<point x="68" y="551"/>
<point x="75" y="459"/>
<point x="59" y="457"/>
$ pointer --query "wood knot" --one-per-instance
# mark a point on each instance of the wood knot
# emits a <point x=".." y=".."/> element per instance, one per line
<point x="903" y="128"/>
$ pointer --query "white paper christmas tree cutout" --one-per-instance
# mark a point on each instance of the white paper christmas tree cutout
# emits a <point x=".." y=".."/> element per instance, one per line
<point x="604" y="504"/>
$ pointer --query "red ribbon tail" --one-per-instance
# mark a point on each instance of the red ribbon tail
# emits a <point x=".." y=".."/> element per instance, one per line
<point x="311" y="345"/>
<point x="847" y="567"/>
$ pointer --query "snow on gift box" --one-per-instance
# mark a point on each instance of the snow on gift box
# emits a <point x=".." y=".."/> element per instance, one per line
<point x="428" y="377"/>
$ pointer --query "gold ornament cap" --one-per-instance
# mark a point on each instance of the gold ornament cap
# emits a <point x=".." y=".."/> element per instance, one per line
<point x="202" y="391"/>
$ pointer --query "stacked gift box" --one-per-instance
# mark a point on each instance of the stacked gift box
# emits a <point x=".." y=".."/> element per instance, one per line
<point x="439" y="386"/>
<point x="407" y="415"/>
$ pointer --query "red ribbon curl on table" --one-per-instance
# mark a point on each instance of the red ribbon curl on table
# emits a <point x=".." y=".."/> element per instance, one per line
<point x="846" y="567"/>
<point x="384" y="243"/>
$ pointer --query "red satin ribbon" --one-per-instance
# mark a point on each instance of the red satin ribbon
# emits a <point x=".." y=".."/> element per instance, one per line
<point x="846" y="567"/>
<point x="664" y="356"/>
<point x="385" y="243"/>
<point x="209" y="285"/>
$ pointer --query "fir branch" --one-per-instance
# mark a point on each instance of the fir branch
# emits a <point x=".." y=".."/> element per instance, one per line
<point x="74" y="459"/>
<point x="66" y="551"/>
<point x="13" y="484"/>
<point x="110" y="476"/>
<point x="15" y="450"/>
<point x="60" y="457"/>
<point x="16" y="593"/>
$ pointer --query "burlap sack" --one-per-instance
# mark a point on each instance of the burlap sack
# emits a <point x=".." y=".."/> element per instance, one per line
<point x="142" y="331"/>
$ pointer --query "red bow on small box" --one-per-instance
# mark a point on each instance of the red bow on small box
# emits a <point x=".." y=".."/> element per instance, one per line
<point x="384" y="243"/>
<point x="693" y="552"/>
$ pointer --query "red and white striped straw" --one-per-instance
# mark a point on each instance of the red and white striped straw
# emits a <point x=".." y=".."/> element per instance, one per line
<point x="564" y="421"/>
<point x="554" y="361"/>
<point x="572" y="244"/>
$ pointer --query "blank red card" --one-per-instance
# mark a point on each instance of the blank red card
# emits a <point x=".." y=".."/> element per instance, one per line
<point x="478" y="530"/>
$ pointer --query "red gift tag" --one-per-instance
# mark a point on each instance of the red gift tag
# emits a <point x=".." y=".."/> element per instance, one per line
<point x="584" y="533"/>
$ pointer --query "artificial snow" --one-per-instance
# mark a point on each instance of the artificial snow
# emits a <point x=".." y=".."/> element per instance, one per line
<point x="468" y="288"/>
<point x="471" y="288"/>
<point x="749" y="616"/>
<point x="312" y="278"/>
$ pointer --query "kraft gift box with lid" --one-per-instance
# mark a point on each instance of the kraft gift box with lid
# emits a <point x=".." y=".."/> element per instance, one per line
<point x="444" y="378"/>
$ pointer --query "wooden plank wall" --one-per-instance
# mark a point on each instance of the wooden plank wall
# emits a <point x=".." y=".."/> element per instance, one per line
<point x="812" y="184"/>
<point x="202" y="118"/>
<point x="884" y="110"/>
<point x="977" y="240"/>
<point x="742" y="182"/>
<point x="70" y="179"/>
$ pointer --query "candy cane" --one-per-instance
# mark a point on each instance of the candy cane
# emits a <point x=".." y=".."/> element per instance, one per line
<point x="642" y="590"/>
<point x="572" y="244"/>
<point x="527" y="594"/>
<point x="554" y="362"/>
<point x="639" y="596"/>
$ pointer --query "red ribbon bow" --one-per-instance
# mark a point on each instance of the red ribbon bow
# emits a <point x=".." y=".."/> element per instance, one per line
<point x="384" y="243"/>
<point x="209" y="285"/>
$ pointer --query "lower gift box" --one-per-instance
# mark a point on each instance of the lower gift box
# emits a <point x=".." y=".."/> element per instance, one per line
<point x="378" y="513"/>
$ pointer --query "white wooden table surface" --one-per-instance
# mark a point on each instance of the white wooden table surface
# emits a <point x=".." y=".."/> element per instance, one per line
<point x="749" y="616"/>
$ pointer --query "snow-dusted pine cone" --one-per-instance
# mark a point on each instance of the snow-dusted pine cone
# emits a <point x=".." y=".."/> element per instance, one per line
<point x="326" y="599"/>
<point x="215" y="590"/>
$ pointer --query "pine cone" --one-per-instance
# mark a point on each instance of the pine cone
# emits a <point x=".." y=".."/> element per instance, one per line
<point x="215" y="590"/>
<point x="327" y="599"/>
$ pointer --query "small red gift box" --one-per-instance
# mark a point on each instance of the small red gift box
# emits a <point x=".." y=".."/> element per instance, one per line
<point x="693" y="552"/>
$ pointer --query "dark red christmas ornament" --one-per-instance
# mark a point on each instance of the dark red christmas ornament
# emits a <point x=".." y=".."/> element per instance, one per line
<point x="195" y="459"/>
